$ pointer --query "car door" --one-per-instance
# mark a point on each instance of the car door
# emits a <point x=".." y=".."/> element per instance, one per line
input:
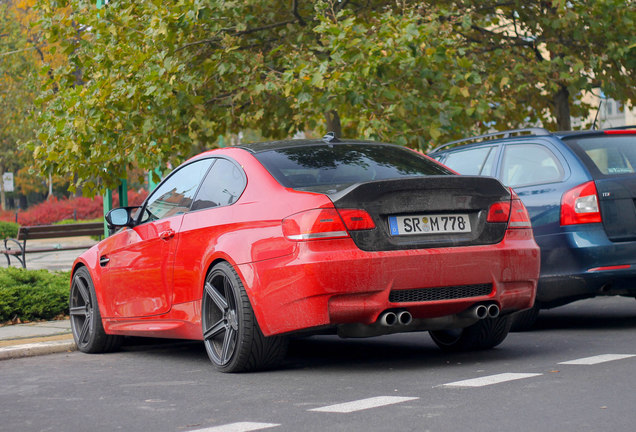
<point x="138" y="263"/>
<point x="210" y="223"/>
<point x="536" y="172"/>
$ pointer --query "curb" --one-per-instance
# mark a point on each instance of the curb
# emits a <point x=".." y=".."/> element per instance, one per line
<point x="38" y="348"/>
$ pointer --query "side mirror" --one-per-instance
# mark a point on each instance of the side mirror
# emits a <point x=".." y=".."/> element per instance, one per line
<point x="120" y="217"/>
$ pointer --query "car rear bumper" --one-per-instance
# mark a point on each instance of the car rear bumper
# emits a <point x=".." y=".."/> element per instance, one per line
<point x="584" y="263"/>
<point x="331" y="282"/>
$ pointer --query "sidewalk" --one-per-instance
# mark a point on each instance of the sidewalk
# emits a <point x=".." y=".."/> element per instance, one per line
<point x="24" y="340"/>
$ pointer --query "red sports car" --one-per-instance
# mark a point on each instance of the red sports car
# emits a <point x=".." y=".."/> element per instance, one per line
<point x="240" y="247"/>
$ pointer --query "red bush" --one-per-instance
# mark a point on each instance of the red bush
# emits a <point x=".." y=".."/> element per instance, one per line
<point x="54" y="210"/>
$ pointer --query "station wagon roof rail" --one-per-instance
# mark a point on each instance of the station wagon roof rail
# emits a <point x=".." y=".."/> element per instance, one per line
<point x="494" y="136"/>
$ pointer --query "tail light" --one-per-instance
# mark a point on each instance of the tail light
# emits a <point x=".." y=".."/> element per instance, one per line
<point x="519" y="217"/>
<point x="513" y="212"/>
<point x="499" y="212"/>
<point x="356" y="219"/>
<point x="580" y="205"/>
<point x="325" y="224"/>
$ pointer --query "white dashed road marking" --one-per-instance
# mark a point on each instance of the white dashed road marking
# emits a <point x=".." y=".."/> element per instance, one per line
<point x="380" y="401"/>
<point x="239" y="427"/>
<point x="363" y="404"/>
<point x="492" y="379"/>
<point x="598" y="359"/>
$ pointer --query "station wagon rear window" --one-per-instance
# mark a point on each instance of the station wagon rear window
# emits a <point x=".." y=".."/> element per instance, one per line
<point x="339" y="165"/>
<point x="607" y="155"/>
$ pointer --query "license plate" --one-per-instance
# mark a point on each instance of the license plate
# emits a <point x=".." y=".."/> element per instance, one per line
<point x="429" y="224"/>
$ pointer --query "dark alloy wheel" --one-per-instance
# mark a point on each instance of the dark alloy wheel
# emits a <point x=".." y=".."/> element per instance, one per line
<point x="231" y="335"/>
<point x="484" y="334"/>
<point x="86" y="321"/>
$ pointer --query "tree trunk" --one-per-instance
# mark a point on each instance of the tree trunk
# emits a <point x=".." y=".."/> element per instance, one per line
<point x="50" y="184"/>
<point x="3" y="197"/>
<point x="562" y="109"/>
<point x="333" y="123"/>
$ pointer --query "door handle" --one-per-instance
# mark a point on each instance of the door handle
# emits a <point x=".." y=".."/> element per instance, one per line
<point x="103" y="261"/>
<point x="166" y="235"/>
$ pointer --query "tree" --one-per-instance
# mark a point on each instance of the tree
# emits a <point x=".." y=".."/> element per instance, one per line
<point x="148" y="82"/>
<point x="17" y="91"/>
<point x="550" y="53"/>
<point x="22" y="53"/>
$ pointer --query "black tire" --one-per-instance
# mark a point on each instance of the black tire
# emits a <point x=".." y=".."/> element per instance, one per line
<point x="86" y="321"/>
<point x="525" y="320"/>
<point x="233" y="340"/>
<point x="484" y="334"/>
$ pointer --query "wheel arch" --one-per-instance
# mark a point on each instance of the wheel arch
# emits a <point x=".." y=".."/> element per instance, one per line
<point x="97" y="282"/>
<point x="244" y="280"/>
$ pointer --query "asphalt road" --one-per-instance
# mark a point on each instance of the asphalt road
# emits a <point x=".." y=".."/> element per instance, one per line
<point x="575" y="372"/>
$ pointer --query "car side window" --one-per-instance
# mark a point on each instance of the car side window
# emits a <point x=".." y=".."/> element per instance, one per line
<point x="527" y="164"/>
<point x="175" y="194"/>
<point x="223" y="186"/>
<point x="476" y="161"/>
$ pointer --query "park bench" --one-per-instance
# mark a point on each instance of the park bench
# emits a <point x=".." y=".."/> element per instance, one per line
<point x="17" y="247"/>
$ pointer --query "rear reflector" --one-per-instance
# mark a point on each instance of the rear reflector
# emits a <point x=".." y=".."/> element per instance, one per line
<point x="330" y="223"/>
<point x="580" y="205"/>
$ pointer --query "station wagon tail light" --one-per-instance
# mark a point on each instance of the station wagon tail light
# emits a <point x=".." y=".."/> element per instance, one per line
<point x="319" y="224"/>
<point x="580" y="205"/>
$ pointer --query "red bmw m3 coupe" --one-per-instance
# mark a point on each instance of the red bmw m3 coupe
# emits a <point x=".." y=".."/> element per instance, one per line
<point x="241" y="247"/>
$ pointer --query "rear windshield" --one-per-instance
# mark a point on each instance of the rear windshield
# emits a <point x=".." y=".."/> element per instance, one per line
<point x="607" y="155"/>
<point x="336" y="166"/>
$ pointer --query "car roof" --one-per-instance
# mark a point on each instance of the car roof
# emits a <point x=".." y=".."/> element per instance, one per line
<point x="497" y="137"/>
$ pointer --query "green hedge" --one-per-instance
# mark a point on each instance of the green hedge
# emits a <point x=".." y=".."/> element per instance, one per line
<point x="8" y="230"/>
<point x="33" y="294"/>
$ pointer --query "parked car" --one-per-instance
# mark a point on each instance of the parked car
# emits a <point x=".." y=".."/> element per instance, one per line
<point x="240" y="247"/>
<point x="580" y="190"/>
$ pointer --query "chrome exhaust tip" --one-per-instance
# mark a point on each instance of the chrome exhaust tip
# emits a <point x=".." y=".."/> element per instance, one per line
<point x="481" y="311"/>
<point x="404" y="317"/>
<point x="388" y="319"/>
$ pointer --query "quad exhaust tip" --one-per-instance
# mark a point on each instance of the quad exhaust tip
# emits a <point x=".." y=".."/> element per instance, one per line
<point x="482" y="311"/>
<point x="389" y="318"/>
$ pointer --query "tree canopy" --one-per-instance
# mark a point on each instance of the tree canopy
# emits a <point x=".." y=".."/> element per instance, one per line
<point x="18" y="90"/>
<point x="550" y="53"/>
<point x="148" y="82"/>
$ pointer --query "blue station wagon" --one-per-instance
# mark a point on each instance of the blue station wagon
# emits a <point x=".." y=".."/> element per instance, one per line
<point x="580" y="190"/>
